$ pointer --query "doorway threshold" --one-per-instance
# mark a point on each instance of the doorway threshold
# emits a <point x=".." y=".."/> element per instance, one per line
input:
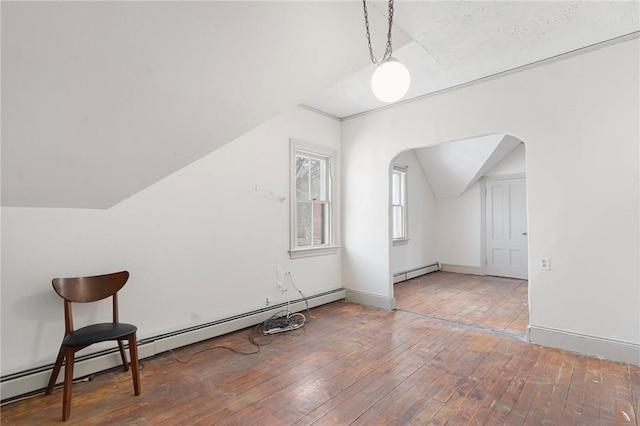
<point x="486" y="330"/>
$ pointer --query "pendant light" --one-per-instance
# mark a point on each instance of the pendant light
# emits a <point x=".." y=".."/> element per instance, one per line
<point x="391" y="80"/>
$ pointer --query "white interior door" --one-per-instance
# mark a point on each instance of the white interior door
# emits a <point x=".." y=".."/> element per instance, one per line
<point x="506" y="226"/>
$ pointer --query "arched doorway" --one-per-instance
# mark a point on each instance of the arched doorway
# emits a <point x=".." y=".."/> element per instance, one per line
<point x="465" y="200"/>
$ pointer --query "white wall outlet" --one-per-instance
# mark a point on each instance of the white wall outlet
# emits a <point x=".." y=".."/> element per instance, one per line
<point x="545" y="264"/>
<point x="279" y="273"/>
<point x="280" y="287"/>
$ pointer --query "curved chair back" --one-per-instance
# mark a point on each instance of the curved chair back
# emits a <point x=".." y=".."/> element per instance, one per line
<point x="90" y="289"/>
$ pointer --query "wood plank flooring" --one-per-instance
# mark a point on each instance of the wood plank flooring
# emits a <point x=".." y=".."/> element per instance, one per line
<point x="495" y="303"/>
<point x="354" y="365"/>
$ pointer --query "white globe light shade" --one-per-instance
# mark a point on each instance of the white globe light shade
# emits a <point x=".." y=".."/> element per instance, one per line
<point x="390" y="81"/>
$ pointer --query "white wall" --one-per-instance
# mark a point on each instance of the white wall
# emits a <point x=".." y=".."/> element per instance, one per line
<point x="459" y="228"/>
<point x="199" y="244"/>
<point x="582" y="111"/>
<point x="421" y="248"/>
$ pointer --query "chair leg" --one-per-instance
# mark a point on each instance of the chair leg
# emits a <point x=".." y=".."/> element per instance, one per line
<point x="55" y="371"/>
<point x="123" y="356"/>
<point x="68" y="382"/>
<point x="133" y="353"/>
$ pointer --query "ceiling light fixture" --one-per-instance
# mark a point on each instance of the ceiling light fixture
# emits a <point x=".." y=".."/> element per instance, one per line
<point x="391" y="80"/>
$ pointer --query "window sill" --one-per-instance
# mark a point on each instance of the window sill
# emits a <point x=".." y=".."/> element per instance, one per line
<point x="401" y="242"/>
<point x="313" y="251"/>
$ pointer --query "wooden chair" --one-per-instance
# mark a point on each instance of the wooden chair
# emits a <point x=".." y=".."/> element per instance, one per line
<point x="83" y="290"/>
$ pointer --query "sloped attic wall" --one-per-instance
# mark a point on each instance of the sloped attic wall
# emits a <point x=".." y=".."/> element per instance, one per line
<point x="453" y="167"/>
<point x="102" y="99"/>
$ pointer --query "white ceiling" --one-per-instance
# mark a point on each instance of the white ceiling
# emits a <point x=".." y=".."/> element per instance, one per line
<point x="455" y="42"/>
<point x="102" y="99"/>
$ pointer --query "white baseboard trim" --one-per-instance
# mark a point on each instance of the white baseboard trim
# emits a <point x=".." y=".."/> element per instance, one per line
<point x="611" y="350"/>
<point x="399" y="277"/>
<point x="370" y="299"/>
<point x="240" y="322"/>
<point x="39" y="380"/>
<point x="31" y="382"/>
<point x="463" y="269"/>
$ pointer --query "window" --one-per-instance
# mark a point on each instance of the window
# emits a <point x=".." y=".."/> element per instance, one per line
<point x="312" y="209"/>
<point x="399" y="204"/>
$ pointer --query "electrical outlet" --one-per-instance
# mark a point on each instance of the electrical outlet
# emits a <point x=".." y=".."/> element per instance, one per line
<point x="279" y="273"/>
<point x="545" y="264"/>
<point x="281" y="288"/>
<point x="269" y="300"/>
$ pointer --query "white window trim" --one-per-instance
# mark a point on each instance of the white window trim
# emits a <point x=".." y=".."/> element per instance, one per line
<point x="296" y="145"/>
<point x="404" y="240"/>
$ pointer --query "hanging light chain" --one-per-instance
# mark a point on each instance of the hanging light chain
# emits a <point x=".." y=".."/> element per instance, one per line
<point x="389" y="50"/>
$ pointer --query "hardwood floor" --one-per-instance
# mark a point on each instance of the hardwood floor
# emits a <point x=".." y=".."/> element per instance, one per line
<point x="495" y="303"/>
<point x="356" y="365"/>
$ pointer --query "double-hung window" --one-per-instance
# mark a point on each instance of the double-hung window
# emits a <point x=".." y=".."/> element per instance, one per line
<point x="399" y="204"/>
<point x="312" y="207"/>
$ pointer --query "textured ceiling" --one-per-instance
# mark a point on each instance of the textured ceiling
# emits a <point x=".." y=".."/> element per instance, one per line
<point x="457" y="42"/>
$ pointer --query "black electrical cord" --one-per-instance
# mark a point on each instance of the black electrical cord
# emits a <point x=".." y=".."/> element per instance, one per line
<point x="256" y="331"/>
<point x="210" y="349"/>
<point x="301" y="294"/>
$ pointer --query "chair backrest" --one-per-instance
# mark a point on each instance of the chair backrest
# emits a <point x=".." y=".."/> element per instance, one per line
<point x="89" y="289"/>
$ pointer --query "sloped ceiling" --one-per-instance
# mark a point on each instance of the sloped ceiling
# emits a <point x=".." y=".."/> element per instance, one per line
<point x="451" y="168"/>
<point x="455" y="42"/>
<point x="102" y="99"/>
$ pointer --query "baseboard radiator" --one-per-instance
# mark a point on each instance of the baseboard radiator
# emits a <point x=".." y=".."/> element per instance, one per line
<point x="35" y="379"/>
<point x="416" y="272"/>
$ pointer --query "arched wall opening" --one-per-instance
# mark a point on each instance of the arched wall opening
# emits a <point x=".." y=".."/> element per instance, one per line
<point x="579" y="118"/>
<point x="460" y="207"/>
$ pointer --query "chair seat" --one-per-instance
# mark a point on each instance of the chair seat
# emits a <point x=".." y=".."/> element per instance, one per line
<point x="98" y="333"/>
